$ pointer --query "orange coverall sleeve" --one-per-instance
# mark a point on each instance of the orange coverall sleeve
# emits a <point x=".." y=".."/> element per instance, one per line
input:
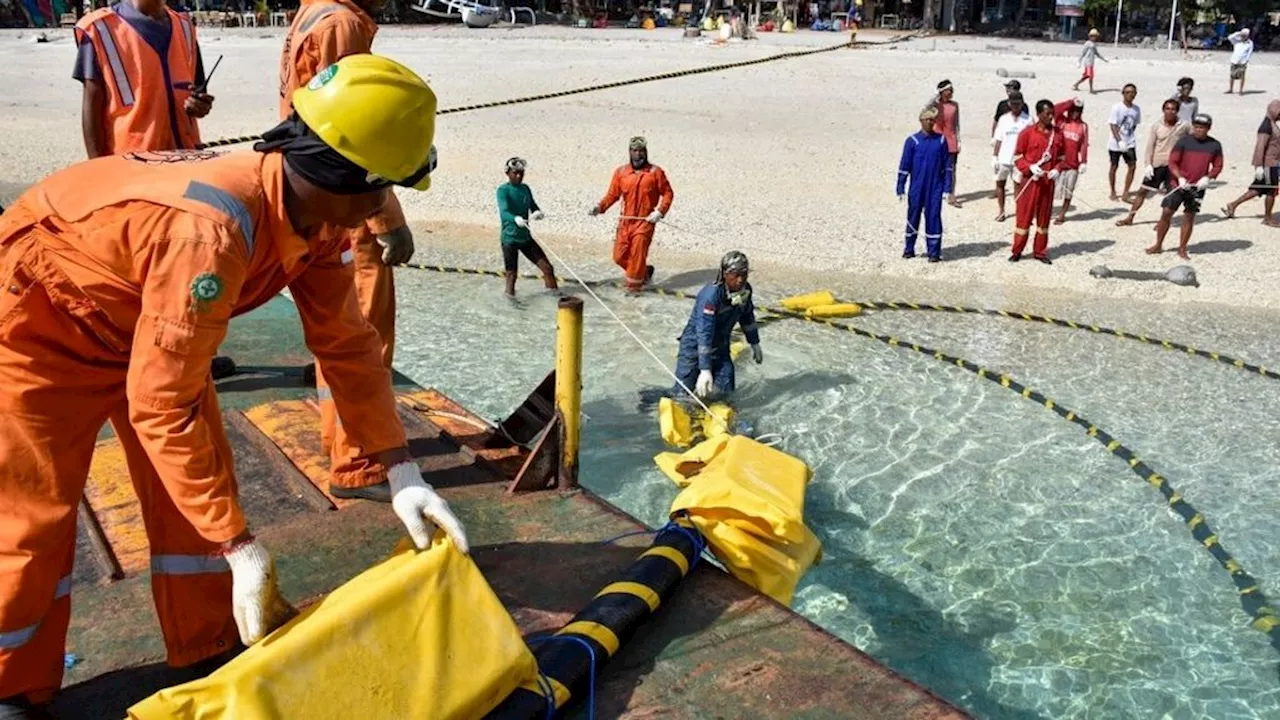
<point x="664" y="188"/>
<point x="339" y="35"/>
<point x="193" y="278"/>
<point x="614" y="192"/>
<point x="349" y="353"/>
<point x="390" y="217"/>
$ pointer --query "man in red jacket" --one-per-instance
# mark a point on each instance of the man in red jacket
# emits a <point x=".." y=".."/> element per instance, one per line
<point x="1037" y="156"/>
<point x="1075" y="147"/>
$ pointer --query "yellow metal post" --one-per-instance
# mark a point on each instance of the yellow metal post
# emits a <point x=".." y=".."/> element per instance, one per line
<point x="569" y="386"/>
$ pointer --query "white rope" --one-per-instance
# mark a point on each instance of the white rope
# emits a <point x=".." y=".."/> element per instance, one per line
<point x="635" y="337"/>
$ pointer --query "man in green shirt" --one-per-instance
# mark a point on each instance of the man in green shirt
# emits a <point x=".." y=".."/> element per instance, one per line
<point x="516" y="207"/>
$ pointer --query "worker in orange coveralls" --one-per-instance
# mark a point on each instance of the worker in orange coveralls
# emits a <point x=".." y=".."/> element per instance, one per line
<point x="120" y="276"/>
<point x="646" y="198"/>
<point x="1037" y="155"/>
<point x="323" y="32"/>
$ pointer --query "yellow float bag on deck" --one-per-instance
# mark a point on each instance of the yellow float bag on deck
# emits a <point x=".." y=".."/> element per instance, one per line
<point x="833" y="311"/>
<point x="747" y="499"/>
<point x="420" y="635"/>
<point x="813" y="299"/>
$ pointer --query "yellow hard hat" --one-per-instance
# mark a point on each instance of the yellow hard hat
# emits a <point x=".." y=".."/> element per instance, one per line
<point x="376" y="113"/>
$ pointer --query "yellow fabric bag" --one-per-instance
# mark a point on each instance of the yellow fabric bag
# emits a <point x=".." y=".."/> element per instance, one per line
<point x="747" y="499"/>
<point x="813" y="299"/>
<point x="834" y="311"/>
<point x="420" y="635"/>
<point x="680" y="429"/>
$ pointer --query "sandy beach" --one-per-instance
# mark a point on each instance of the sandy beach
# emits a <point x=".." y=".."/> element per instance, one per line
<point x="793" y="161"/>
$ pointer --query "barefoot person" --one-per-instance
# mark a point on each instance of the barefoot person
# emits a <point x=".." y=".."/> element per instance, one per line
<point x="516" y="207"/>
<point x="1037" y="156"/>
<point x="1125" y="118"/>
<point x="1088" y="54"/>
<point x="1161" y="139"/>
<point x="1003" y="141"/>
<point x="1266" y="168"/>
<point x="1195" y="160"/>
<point x="1075" y="148"/>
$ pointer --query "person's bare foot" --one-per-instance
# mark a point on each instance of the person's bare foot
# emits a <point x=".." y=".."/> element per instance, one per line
<point x="1115" y="196"/>
<point x="1271" y="222"/>
<point x="1183" y="254"/>
<point x="1126" y="220"/>
<point x="1059" y="220"/>
<point x="1001" y="217"/>
<point x="953" y="203"/>
<point x="1154" y="250"/>
<point x="1228" y="211"/>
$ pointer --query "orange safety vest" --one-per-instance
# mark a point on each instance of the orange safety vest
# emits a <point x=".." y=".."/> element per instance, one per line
<point x="146" y="93"/>
<point x="352" y="27"/>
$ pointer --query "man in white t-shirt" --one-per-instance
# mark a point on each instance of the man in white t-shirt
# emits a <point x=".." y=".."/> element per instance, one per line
<point x="1241" y="51"/>
<point x="1124" y="121"/>
<point x="1003" y="140"/>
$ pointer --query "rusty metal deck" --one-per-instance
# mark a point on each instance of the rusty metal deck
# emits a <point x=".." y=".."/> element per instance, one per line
<point x="717" y="650"/>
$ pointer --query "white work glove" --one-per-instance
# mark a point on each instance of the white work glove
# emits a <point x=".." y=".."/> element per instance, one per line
<point x="521" y="222"/>
<point x="256" y="601"/>
<point x="1084" y="167"/>
<point x="654" y="217"/>
<point x="1053" y="174"/>
<point x="594" y="211"/>
<point x="1202" y="183"/>
<point x="995" y="163"/>
<point x="1036" y="171"/>
<point x="421" y="509"/>
<point x="538" y="215"/>
<point x="397" y="246"/>
<point x="757" y="354"/>
<point x="1148" y="172"/>
<point x="1259" y="174"/>
<point x="705" y="384"/>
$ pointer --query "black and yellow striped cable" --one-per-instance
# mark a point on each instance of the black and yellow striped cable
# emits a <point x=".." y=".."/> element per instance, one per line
<point x="1101" y="330"/>
<point x="609" y="85"/>
<point x="605" y="624"/>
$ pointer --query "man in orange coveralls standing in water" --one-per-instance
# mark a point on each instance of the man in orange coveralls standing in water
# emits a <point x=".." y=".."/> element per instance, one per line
<point x="646" y="198"/>
<point x="323" y="32"/>
<point x="120" y="276"/>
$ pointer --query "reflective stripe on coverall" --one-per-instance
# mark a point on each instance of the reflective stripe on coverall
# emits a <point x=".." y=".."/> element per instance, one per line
<point x="323" y="32"/>
<point x="119" y="277"/>
<point x="926" y="162"/>
<point x="143" y="89"/>
<point x="642" y="191"/>
<point x="1036" y="145"/>
<point x="704" y="344"/>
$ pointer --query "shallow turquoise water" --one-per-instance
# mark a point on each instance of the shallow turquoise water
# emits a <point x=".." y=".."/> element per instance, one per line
<point x="973" y="540"/>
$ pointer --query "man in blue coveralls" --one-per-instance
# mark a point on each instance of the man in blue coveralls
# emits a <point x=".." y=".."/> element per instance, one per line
<point x="926" y="161"/>
<point x="704" y="363"/>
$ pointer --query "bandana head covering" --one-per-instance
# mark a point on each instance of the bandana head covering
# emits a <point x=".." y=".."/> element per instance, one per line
<point x="944" y="85"/>
<point x="639" y="143"/>
<point x="516" y="163"/>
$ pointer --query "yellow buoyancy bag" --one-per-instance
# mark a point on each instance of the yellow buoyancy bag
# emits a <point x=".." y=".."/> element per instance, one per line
<point x="804" y="302"/>
<point x="681" y="429"/>
<point x="420" y="635"/>
<point x="747" y="500"/>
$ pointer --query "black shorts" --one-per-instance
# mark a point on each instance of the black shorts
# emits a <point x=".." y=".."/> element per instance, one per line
<point x="1159" y="181"/>
<point x="511" y="257"/>
<point x="1187" y="196"/>
<point x="1269" y="182"/>
<point x="1130" y="157"/>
